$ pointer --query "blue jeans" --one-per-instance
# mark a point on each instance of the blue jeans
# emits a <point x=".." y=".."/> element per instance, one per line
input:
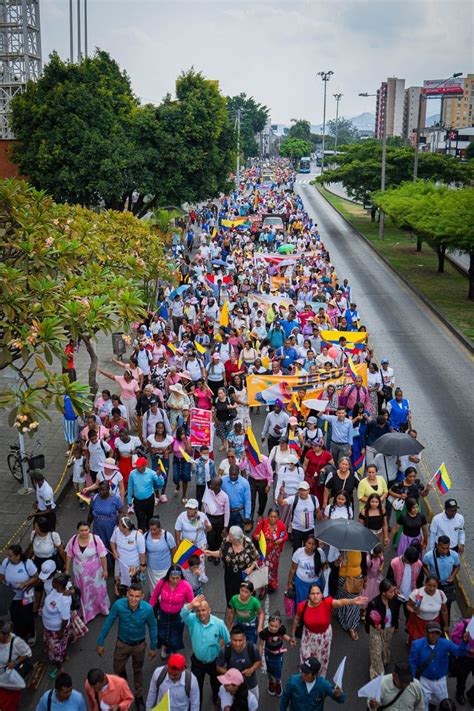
<point x="250" y="630"/>
<point x="274" y="664"/>
<point x="181" y="470"/>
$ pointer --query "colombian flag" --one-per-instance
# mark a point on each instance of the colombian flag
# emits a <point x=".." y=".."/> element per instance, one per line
<point x="170" y="350"/>
<point x="186" y="456"/>
<point x="251" y="447"/>
<point x="443" y="480"/>
<point x="199" y="347"/>
<point x="164" y="704"/>
<point x="350" y="368"/>
<point x="162" y="467"/>
<point x="184" y="551"/>
<point x="262" y="546"/>
<point x="359" y="465"/>
<point x="84" y="497"/>
<point x="224" y="316"/>
<point x="356" y="341"/>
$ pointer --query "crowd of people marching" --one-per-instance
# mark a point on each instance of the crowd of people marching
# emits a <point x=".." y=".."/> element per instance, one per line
<point x="260" y="325"/>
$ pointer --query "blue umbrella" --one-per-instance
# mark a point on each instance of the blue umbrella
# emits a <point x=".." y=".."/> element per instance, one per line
<point x="220" y="263"/>
<point x="179" y="290"/>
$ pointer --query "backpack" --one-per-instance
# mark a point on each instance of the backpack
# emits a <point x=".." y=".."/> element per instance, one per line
<point x="165" y="535"/>
<point x="187" y="682"/>
<point x="250" y="649"/>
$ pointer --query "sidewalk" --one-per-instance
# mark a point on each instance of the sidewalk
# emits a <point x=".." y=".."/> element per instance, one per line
<point x="14" y="508"/>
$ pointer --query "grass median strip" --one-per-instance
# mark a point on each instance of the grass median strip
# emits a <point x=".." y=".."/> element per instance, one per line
<point x="447" y="292"/>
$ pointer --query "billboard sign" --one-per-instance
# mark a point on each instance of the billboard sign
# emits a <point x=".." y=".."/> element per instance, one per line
<point x="444" y="87"/>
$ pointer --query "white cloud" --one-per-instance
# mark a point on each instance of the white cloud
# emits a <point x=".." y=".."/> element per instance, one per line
<point x="273" y="49"/>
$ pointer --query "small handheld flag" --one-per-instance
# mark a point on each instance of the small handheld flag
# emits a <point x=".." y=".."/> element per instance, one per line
<point x="164" y="704"/>
<point x="84" y="497"/>
<point x="443" y="480"/>
<point x="184" y="551"/>
<point x="251" y="447"/>
<point x="262" y="546"/>
<point x="170" y="350"/>
<point x="162" y="467"/>
<point x="186" y="456"/>
<point x="351" y="369"/>
<point x="200" y="348"/>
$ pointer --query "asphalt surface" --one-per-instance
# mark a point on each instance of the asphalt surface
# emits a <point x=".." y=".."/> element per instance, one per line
<point x="433" y="369"/>
<point x="435" y="375"/>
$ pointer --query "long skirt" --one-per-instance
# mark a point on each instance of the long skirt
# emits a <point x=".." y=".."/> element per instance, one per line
<point x="125" y="466"/>
<point x="55" y="647"/>
<point x="348" y="615"/>
<point x="130" y="405"/>
<point x="154" y="576"/>
<point x="170" y="631"/>
<point x="10" y="699"/>
<point x="316" y="645"/>
<point x="406" y="541"/>
<point x="273" y="560"/>
<point x="379" y="650"/>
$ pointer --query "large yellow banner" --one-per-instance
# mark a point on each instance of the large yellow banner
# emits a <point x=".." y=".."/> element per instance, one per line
<point x="265" y="389"/>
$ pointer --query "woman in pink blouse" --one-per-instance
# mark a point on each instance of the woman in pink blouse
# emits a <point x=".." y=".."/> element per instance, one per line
<point x="128" y="392"/>
<point x="168" y="598"/>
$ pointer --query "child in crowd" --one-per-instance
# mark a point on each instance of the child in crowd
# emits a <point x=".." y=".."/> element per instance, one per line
<point x="193" y="575"/>
<point x="78" y="470"/>
<point x="271" y="641"/>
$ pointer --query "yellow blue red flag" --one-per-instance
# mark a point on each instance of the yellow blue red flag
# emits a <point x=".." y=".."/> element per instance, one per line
<point x="443" y="480"/>
<point x="184" y="551"/>
<point x="251" y="447"/>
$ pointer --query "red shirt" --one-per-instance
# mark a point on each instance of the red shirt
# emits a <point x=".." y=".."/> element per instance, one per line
<point x="315" y="463"/>
<point x="317" y="619"/>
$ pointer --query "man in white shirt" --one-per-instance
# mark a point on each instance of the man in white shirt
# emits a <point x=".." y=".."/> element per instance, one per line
<point x="45" y="505"/>
<point x="449" y="523"/>
<point x="179" y="682"/>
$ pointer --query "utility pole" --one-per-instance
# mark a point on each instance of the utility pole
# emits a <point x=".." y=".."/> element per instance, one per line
<point x="85" y="28"/>
<point x="325" y="76"/>
<point x="338" y="97"/>
<point x="237" y="168"/>
<point x="79" y="53"/>
<point x="71" y="34"/>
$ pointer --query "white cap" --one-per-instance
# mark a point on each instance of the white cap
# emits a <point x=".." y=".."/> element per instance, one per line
<point x="191" y="504"/>
<point x="47" y="569"/>
<point x="303" y="485"/>
<point x="293" y="459"/>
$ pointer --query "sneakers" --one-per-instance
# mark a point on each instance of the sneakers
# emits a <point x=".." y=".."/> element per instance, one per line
<point x="278" y="688"/>
<point x="271" y="687"/>
<point x="163" y="498"/>
<point x="184" y="501"/>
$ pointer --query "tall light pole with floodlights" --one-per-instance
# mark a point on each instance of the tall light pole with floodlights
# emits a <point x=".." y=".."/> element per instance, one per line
<point x="325" y="76"/>
<point x="384" y="161"/>
<point x="338" y="97"/>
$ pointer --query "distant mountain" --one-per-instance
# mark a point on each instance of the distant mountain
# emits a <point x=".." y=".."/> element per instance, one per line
<point x="363" y="122"/>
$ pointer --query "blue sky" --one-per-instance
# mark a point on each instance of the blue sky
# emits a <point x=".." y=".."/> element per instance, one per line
<point x="273" y="49"/>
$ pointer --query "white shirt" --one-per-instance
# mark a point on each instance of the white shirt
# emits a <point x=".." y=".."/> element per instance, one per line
<point x="143" y="359"/>
<point x="178" y="701"/>
<point x="98" y="453"/>
<point x="290" y="478"/>
<point x="224" y="466"/>
<point x="405" y="584"/>
<point x="127" y="448"/>
<point x="441" y="525"/>
<point x="19" y="649"/>
<point x="129" y="547"/>
<point x="195" y="530"/>
<point x="303" y="517"/>
<point x="387" y="376"/>
<point x="56" y="608"/>
<point x="114" y="480"/>
<point x="227" y="699"/>
<point x="430" y="604"/>
<point x="16" y="574"/>
<point x="305" y="570"/>
<point x="44" y="546"/>
<point x="45" y="497"/>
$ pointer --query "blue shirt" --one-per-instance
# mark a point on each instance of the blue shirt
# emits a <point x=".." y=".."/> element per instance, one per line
<point x="205" y="639"/>
<point x="342" y="432"/>
<point x="289" y="357"/>
<point x="238" y="492"/>
<point x="142" y="486"/>
<point x="445" y="563"/>
<point x="131" y="623"/>
<point x="296" y="697"/>
<point x="438" y="668"/>
<point x="75" y="702"/>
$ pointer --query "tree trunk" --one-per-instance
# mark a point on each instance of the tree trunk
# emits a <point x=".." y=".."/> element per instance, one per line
<point x="419" y="242"/>
<point x="93" y="364"/>
<point x="470" y="294"/>
<point x="441" y="252"/>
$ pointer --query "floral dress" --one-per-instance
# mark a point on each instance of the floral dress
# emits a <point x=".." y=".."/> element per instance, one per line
<point x="274" y="549"/>
<point x="87" y="575"/>
<point x="235" y="564"/>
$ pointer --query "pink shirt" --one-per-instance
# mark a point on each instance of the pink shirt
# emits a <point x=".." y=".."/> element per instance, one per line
<point x="221" y="504"/>
<point x="262" y="471"/>
<point x="172" y="601"/>
<point x="127" y="390"/>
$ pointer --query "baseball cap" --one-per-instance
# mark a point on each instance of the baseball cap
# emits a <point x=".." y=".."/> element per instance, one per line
<point x="47" y="569"/>
<point x="303" y="485"/>
<point x="232" y="676"/>
<point x="177" y="661"/>
<point x="141" y="462"/>
<point x="311" y="666"/>
<point x="312" y="420"/>
<point x="153" y="401"/>
<point x="384" y="360"/>
<point x="451" y="504"/>
<point x="433" y="627"/>
<point x="191" y="504"/>
<point x="293" y="459"/>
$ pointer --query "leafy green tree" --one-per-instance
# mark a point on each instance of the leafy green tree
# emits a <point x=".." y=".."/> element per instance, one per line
<point x="441" y="216"/>
<point x="470" y="151"/>
<point x="346" y="131"/>
<point x="301" y="128"/>
<point x="253" y="118"/>
<point x="65" y="271"/>
<point x="295" y="148"/>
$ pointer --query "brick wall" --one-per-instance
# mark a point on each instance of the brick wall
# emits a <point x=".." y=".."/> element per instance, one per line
<point x="7" y="168"/>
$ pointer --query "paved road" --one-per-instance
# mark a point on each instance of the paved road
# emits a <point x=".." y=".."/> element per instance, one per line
<point x="435" y="372"/>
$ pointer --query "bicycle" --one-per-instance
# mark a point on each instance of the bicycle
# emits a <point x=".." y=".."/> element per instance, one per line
<point x="33" y="460"/>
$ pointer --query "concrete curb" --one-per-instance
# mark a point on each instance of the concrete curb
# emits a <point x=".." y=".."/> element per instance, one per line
<point x="463" y="600"/>
<point x="468" y="344"/>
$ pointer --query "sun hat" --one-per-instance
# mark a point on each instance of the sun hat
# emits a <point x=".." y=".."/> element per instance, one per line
<point x="110" y="464"/>
<point x="177" y="388"/>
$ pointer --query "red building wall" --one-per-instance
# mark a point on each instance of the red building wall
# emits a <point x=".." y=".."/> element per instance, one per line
<point x="7" y="168"/>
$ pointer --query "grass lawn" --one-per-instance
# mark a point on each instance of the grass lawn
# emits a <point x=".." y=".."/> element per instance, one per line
<point x="446" y="291"/>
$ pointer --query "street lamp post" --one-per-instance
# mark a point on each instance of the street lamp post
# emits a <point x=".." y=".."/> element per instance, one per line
<point x="325" y="76"/>
<point x="338" y="97"/>
<point x="384" y="162"/>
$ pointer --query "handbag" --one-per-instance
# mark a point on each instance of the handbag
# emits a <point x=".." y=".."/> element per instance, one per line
<point x="258" y="577"/>
<point x="397" y="504"/>
<point x="353" y="585"/>
<point x="11" y="679"/>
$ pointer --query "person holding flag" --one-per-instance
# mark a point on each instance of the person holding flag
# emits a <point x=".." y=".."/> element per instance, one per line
<point x="271" y="534"/>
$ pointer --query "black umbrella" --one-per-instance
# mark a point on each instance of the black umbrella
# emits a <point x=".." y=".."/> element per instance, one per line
<point x="397" y="443"/>
<point x="346" y="535"/>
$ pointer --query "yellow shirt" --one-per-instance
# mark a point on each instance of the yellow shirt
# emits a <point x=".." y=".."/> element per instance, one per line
<point x="365" y="488"/>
